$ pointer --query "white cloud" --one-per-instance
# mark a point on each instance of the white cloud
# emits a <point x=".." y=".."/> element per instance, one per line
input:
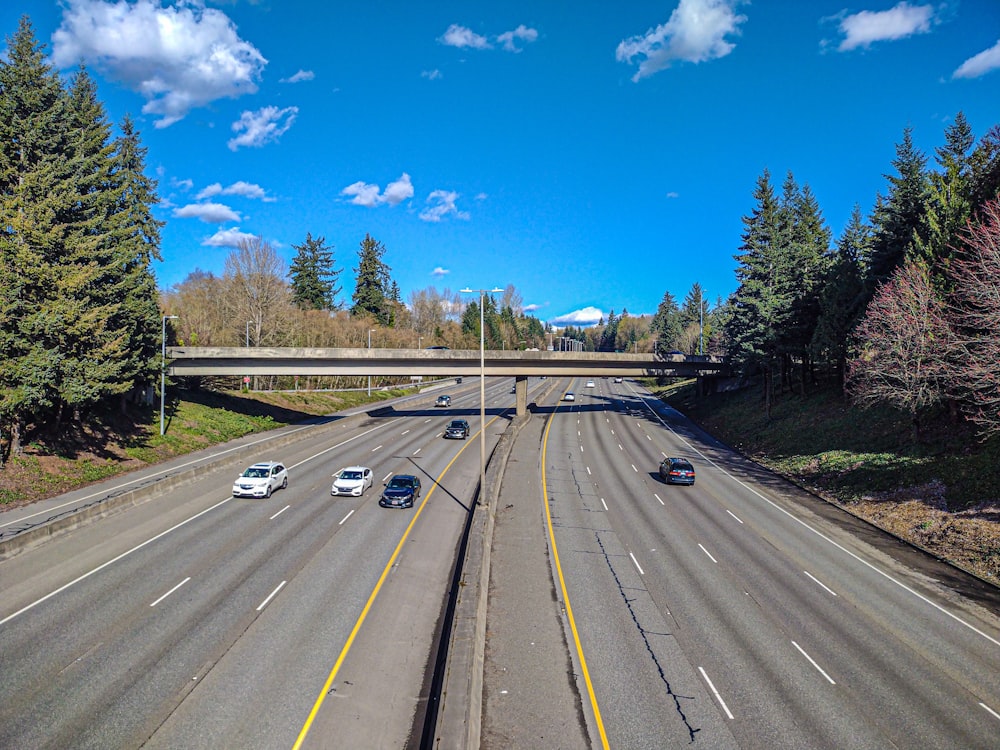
<point x="481" y="196"/>
<point x="398" y="191"/>
<point x="587" y="316"/>
<point x="534" y="307"/>
<point x="364" y="194"/>
<point x="696" y="32"/>
<point x="431" y="75"/>
<point x="981" y="64"/>
<point x="371" y="195"/>
<point x="177" y="57"/>
<point x="265" y="125"/>
<point x="211" y="213"/>
<point x="302" y="75"/>
<point x="440" y="272"/>
<point x="460" y="36"/>
<point x="182" y="184"/>
<point x="863" y="28"/>
<point x="244" y="189"/>
<point x="521" y="33"/>
<point x="673" y="194"/>
<point x="227" y="238"/>
<point x="441" y="203"/>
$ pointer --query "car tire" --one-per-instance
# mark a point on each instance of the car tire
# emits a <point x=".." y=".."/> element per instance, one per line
<point x="268" y="492"/>
<point x="284" y="483"/>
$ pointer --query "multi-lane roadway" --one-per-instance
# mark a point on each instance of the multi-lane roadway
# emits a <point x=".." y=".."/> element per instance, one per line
<point x="733" y="613"/>
<point x="738" y="613"/>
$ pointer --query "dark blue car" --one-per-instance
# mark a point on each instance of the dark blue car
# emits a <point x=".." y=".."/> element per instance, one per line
<point x="402" y="491"/>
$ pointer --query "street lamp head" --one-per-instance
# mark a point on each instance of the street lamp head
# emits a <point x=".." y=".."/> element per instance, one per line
<point x="171" y="317"/>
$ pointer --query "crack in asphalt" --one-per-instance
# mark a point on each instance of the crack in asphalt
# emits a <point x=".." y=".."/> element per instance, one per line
<point x="692" y="731"/>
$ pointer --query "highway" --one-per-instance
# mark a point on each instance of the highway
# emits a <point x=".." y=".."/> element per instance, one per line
<point x="200" y="620"/>
<point x="735" y="613"/>
<point x="731" y="614"/>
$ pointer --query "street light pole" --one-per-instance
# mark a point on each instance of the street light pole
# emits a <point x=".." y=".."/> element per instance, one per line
<point x="482" y="389"/>
<point x="163" y="366"/>
<point x="369" y="364"/>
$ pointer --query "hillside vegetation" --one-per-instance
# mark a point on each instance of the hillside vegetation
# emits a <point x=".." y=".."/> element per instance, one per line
<point x="941" y="493"/>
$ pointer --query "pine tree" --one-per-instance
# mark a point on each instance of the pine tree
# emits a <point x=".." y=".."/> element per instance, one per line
<point x="135" y="236"/>
<point x="32" y="130"/>
<point x="841" y="296"/>
<point x="373" y="288"/>
<point x="693" y="315"/>
<point x="313" y="276"/>
<point x="666" y="324"/>
<point x="900" y="219"/>
<point x="761" y="303"/>
<point x="949" y="204"/>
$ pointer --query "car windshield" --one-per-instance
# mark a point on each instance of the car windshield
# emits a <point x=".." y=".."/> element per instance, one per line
<point x="399" y="482"/>
<point x="458" y="425"/>
<point x="350" y="475"/>
<point x="254" y="473"/>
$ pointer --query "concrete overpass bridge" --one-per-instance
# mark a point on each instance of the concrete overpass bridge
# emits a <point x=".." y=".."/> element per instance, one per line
<point x="439" y="363"/>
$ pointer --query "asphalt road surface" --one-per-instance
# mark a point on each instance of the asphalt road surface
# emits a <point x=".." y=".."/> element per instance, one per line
<point x="201" y="620"/>
<point x="737" y="613"/>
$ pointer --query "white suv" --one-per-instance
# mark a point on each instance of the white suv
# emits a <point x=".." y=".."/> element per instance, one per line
<point x="261" y="479"/>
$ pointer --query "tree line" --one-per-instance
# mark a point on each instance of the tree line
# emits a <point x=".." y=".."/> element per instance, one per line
<point x="903" y="309"/>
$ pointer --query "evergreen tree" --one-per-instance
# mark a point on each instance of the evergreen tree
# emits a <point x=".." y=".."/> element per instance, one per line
<point x="841" y="296"/>
<point x="666" y="325"/>
<point x="135" y="236"/>
<point x="949" y="203"/>
<point x="610" y="334"/>
<point x="374" y="289"/>
<point x="805" y="242"/>
<point x="984" y="170"/>
<point x="32" y="131"/>
<point x="313" y="276"/>
<point x="760" y="305"/>
<point x="900" y="219"/>
<point x="693" y="314"/>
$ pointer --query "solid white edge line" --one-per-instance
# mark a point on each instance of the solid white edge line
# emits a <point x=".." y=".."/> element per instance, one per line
<point x="708" y="553"/>
<point x="170" y="592"/>
<point x="346" y="517"/>
<point x="817" y="666"/>
<point x="715" y="692"/>
<point x="271" y="596"/>
<point x="823" y="536"/>
<point x="658" y="498"/>
<point x="820" y="583"/>
<point x="279" y="512"/>
<point x="637" y="565"/>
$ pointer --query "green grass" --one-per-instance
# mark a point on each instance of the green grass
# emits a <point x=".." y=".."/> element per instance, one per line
<point x="822" y="441"/>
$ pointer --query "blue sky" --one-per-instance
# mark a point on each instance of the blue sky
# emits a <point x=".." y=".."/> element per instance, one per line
<point x="593" y="154"/>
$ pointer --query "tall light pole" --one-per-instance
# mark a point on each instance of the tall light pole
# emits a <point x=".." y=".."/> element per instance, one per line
<point x="163" y="365"/>
<point x="701" y="320"/>
<point x="369" y="364"/>
<point x="482" y="388"/>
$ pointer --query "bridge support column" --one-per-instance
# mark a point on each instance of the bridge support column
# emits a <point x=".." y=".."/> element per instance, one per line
<point x="521" y="394"/>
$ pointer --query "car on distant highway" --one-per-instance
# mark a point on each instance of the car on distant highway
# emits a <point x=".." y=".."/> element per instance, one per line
<point x="457" y="428"/>
<point x="618" y="380"/>
<point x="570" y="396"/>
<point x="590" y="383"/>
<point x="676" y="471"/>
<point x="443" y="401"/>
<point x="401" y="491"/>
<point x="261" y="479"/>
<point x="352" y="480"/>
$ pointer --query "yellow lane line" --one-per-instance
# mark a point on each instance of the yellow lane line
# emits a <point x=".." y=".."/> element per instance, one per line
<point x="371" y="599"/>
<point x="562" y="585"/>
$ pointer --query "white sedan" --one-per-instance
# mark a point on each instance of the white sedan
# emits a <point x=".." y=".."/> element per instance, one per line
<point x="569" y="396"/>
<point x="353" y="480"/>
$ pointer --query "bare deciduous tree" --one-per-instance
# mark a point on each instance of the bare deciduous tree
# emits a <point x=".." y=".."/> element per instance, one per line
<point x="256" y="291"/>
<point x="975" y="312"/>
<point x="903" y="343"/>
